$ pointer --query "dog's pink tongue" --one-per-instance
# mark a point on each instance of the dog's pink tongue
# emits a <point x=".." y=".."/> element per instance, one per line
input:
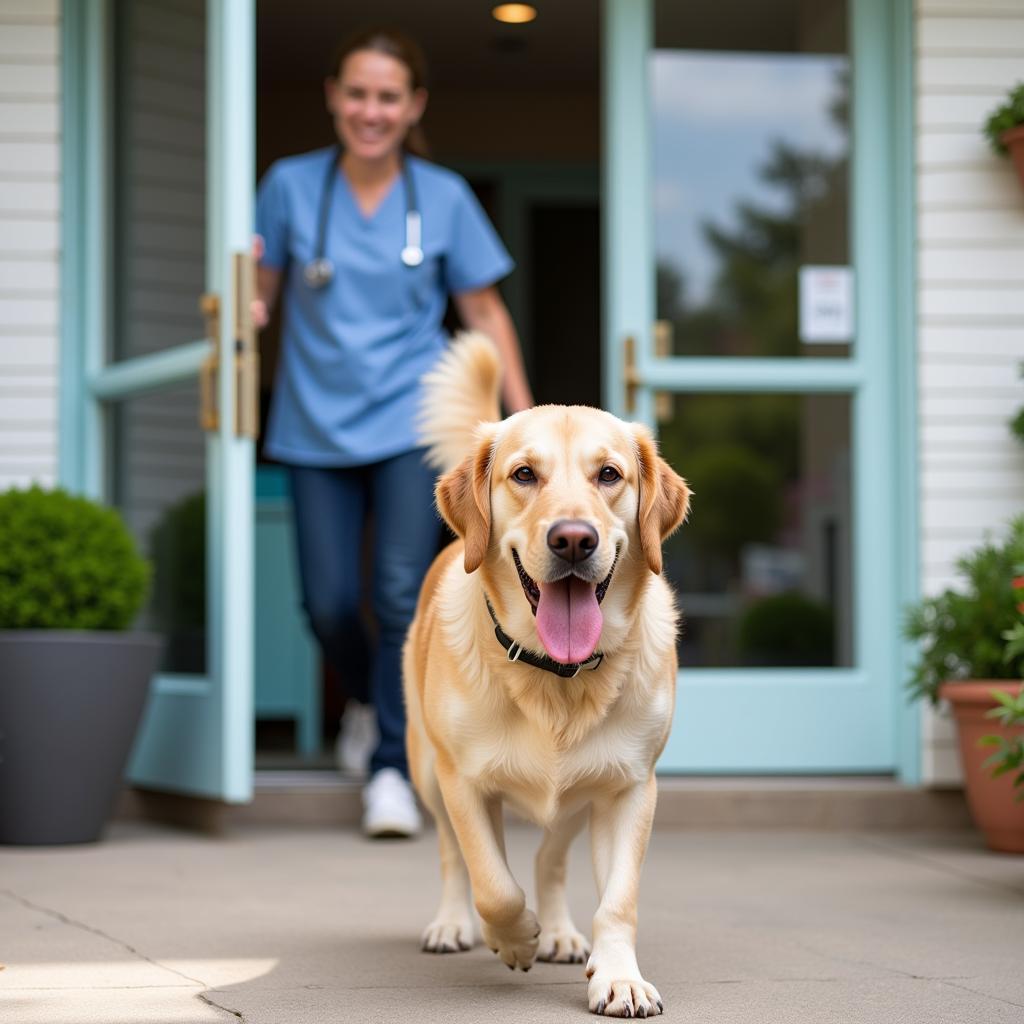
<point x="569" y="619"/>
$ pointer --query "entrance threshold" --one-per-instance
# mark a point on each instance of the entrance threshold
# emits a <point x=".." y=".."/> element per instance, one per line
<point x="821" y="803"/>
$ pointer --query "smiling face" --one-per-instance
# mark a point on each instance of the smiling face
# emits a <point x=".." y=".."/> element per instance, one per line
<point x="563" y="507"/>
<point x="373" y="104"/>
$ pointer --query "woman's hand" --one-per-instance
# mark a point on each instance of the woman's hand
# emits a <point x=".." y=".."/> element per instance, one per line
<point x="268" y="284"/>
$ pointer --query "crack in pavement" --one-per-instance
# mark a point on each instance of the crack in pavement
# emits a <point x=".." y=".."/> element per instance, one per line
<point x="224" y="1009"/>
<point x="978" y="992"/>
<point x="120" y="943"/>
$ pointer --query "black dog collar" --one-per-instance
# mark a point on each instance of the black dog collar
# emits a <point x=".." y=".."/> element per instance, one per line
<point x="517" y="652"/>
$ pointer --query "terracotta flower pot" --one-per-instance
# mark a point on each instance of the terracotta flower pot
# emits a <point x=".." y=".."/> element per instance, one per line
<point x="993" y="803"/>
<point x="1013" y="140"/>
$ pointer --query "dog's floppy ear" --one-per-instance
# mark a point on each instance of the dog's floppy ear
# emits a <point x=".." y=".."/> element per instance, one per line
<point x="664" y="497"/>
<point x="464" y="499"/>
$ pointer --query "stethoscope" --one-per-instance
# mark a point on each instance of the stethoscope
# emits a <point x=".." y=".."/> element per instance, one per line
<point x="319" y="271"/>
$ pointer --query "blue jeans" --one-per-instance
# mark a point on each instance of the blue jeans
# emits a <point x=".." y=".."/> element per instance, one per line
<point x="331" y="510"/>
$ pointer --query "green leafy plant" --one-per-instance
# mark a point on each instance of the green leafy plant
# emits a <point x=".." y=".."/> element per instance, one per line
<point x="66" y="563"/>
<point x="1007" y="115"/>
<point x="961" y="631"/>
<point x="1017" y="423"/>
<point x="1009" y="755"/>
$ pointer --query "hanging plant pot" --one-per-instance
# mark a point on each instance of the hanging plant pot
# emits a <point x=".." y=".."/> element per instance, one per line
<point x="1013" y="140"/>
<point x="993" y="802"/>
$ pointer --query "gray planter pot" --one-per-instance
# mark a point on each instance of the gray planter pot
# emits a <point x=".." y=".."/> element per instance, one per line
<point x="70" y="704"/>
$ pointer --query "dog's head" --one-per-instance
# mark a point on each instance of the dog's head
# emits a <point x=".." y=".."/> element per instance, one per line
<point x="564" y="510"/>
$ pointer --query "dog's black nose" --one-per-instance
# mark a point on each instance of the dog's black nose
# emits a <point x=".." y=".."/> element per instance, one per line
<point x="572" y="539"/>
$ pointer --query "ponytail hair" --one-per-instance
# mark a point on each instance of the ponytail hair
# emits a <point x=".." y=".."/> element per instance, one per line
<point x="404" y="49"/>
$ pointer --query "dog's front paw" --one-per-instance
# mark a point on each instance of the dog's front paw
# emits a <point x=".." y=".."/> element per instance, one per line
<point x="448" y="935"/>
<point x="562" y="944"/>
<point x="515" y="943"/>
<point x="622" y="997"/>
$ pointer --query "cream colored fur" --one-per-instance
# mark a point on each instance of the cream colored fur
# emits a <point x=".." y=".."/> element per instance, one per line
<point x="483" y="732"/>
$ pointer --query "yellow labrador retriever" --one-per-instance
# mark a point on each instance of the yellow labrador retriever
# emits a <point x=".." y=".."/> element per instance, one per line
<point x="541" y="666"/>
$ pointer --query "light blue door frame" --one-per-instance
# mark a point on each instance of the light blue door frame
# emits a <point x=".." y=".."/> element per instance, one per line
<point x="798" y="720"/>
<point x="197" y="737"/>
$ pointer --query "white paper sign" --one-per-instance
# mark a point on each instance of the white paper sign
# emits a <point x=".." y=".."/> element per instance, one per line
<point x="826" y="304"/>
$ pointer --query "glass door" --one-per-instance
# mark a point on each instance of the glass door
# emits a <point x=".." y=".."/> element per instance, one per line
<point x="175" y="378"/>
<point x="743" y="237"/>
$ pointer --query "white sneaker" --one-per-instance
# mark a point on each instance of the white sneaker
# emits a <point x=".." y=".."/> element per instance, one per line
<point x="356" y="740"/>
<point x="390" y="807"/>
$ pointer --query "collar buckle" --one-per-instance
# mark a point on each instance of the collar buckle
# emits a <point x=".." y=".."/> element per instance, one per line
<point x="515" y="651"/>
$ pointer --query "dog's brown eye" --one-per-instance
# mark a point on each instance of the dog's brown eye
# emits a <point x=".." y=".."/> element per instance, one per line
<point x="609" y="475"/>
<point x="524" y="475"/>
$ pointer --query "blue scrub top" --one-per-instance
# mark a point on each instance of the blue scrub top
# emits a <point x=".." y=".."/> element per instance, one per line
<point x="353" y="351"/>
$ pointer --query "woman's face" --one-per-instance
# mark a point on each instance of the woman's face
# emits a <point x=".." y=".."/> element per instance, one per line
<point x="373" y="104"/>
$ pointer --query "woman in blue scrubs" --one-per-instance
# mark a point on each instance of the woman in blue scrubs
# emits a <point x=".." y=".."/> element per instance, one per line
<point x="364" y="299"/>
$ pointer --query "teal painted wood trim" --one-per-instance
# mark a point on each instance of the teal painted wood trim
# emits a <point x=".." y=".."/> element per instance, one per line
<point x="73" y="202"/>
<point x="743" y="375"/>
<point x="170" y="685"/>
<point x="874" y="468"/>
<point x="84" y="314"/>
<point x="799" y="721"/>
<point x="133" y="377"/>
<point x="903" y="126"/>
<point x="627" y="214"/>
<point x="231" y="148"/>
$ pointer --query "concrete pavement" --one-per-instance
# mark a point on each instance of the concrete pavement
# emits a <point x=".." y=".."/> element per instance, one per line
<point x="318" y="926"/>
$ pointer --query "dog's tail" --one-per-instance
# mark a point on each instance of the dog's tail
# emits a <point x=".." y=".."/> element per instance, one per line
<point x="459" y="393"/>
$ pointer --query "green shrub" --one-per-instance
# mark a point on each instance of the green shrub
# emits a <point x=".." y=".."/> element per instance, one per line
<point x="787" y="629"/>
<point x="66" y="563"/>
<point x="1017" y="423"/>
<point x="961" y="631"/>
<point x="177" y="545"/>
<point x="1007" y="115"/>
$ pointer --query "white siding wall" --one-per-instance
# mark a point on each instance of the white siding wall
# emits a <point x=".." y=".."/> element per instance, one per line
<point x="29" y="238"/>
<point x="970" y="231"/>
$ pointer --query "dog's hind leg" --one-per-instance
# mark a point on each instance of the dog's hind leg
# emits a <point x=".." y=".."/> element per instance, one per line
<point x="560" y="940"/>
<point x="451" y="931"/>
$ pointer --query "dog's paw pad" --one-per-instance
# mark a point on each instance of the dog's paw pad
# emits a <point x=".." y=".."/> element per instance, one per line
<point x="515" y="944"/>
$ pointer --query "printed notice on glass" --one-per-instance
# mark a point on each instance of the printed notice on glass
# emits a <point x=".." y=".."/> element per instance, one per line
<point x="826" y="305"/>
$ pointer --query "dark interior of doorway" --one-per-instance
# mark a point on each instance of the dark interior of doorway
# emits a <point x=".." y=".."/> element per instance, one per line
<point x="514" y="109"/>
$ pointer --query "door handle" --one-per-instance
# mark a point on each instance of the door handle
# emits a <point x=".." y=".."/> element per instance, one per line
<point x="245" y="354"/>
<point x="633" y="381"/>
<point x="209" y="414"/>
<point x="247" y="357"/>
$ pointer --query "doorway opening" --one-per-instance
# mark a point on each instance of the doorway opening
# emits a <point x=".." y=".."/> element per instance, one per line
<point x="516" y="110"/>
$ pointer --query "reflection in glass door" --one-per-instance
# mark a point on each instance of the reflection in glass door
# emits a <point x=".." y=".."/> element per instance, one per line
<point x="751" y="155"/>
<point x="729" y="271"/>
<point x="158" y="455"/>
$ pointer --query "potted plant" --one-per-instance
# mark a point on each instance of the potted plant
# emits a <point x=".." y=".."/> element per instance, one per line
<point x="1004" y="128"/>
<point x="963" y="661"/>
<point x="1009" y="741"/>
<point x="73" y="682"/>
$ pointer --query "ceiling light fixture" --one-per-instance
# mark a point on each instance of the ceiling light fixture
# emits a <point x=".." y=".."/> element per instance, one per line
<point x="514" y="14"/>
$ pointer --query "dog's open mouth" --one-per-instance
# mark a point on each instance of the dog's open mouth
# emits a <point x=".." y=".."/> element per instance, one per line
<point x="568" y="612"/>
